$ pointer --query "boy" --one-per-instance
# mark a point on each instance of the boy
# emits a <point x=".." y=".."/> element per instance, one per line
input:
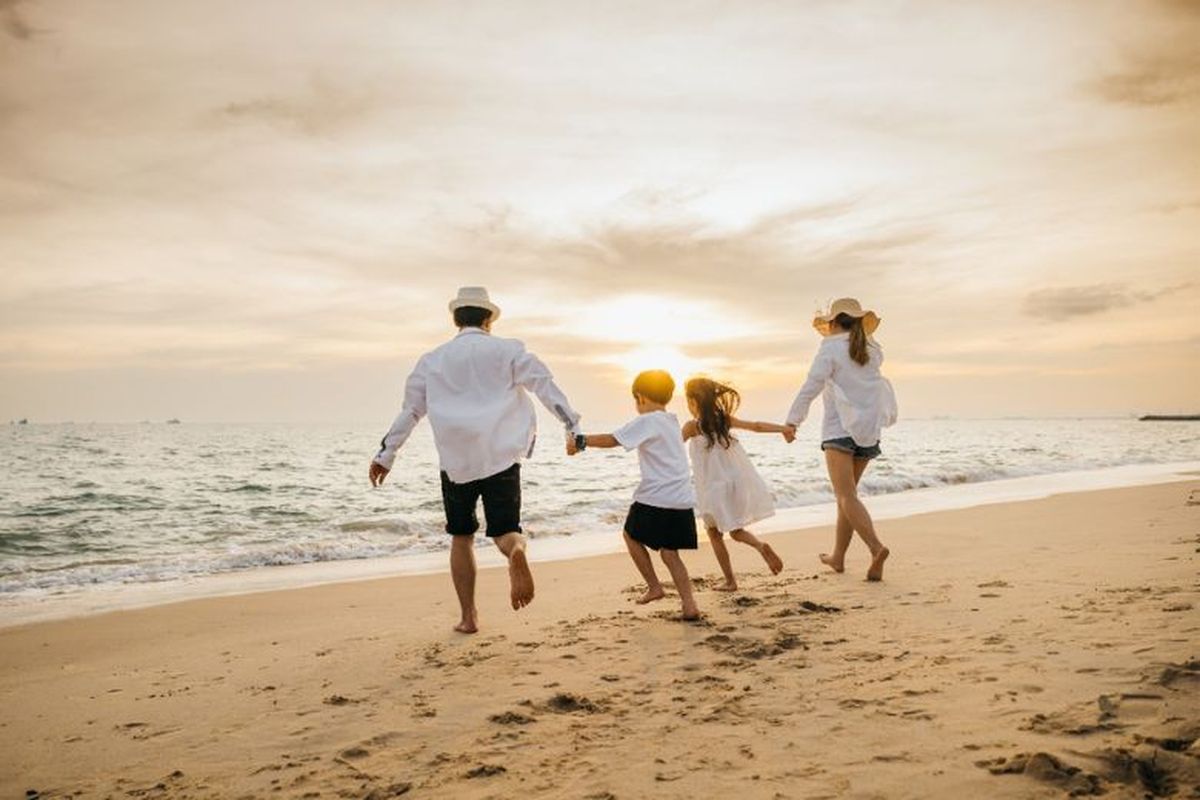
<point x="662" y="516"/>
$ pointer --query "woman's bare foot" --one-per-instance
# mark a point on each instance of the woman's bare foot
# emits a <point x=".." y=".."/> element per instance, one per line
<point x="835" y="564"/>
<point x="774" y="562"/>
<point x="651" y="595"/>
<point x="521" y="579"/>
<point x="727" y="586"/>
<point x="468" y="625"/>
<point x="691" y="614"/>
<point x="875" y="573"/>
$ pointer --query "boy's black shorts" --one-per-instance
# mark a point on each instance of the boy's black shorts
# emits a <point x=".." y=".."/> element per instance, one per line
<point x="501" y="495"/>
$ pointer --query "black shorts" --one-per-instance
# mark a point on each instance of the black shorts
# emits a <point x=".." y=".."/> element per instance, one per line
<point x="662" y="528"/>
<point x="501" y="495"/>
<point x="848" y="445"/>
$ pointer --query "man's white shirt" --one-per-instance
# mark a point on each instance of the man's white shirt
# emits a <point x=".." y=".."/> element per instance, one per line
<point x="473" y="388"/>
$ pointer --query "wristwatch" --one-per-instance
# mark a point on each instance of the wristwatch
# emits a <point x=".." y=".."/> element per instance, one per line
<point x="580" y="442"/>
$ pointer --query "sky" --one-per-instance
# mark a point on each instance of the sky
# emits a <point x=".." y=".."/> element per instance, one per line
<point x="258" y="210"/>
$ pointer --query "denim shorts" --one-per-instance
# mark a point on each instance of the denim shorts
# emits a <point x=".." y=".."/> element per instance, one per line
<point x="847" y="445"/>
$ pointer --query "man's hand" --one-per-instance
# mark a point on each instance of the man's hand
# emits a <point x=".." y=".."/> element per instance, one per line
<point x="378" y="473"/>
<point x="571" y="448"/>
<point x="789" y="433"/>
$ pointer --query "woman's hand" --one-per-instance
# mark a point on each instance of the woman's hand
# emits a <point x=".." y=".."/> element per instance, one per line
<point x="378" y="473"/>
<point x="789" y="433"/>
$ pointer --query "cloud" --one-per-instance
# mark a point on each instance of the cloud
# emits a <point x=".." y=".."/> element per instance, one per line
<point x="1162" y="67"/>
<point x="1082" y="301"/>
<point x="319" y="110"/>
<point x="1153" y="80"/>
<point x="13" y="23"/>
<point x="802" y="254"/>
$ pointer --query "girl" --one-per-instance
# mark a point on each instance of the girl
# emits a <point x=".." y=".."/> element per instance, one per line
<point x="730" y="494"/>
<point x="859" y="403"/>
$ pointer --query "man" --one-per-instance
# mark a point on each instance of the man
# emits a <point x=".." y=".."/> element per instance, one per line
<point x="474" y="390"/>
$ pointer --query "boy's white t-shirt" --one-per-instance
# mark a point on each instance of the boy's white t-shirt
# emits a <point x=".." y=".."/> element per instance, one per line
<point x="666" y="476"/>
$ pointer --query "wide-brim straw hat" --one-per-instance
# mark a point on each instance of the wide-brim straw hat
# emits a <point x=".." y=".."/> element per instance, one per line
<point x="475" y="297"/>
<point x="850" y="307"/>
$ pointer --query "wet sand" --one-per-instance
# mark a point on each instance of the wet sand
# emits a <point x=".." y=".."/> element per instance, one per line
<point x="1031" y="649"/>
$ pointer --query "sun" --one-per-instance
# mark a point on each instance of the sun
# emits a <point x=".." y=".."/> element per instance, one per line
<point x="653" y="320"/>
<point x="662" y="356"/>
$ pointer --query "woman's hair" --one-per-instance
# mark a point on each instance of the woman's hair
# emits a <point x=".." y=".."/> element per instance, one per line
<point x="858" y="337"/>
<point x="715" y="404"/>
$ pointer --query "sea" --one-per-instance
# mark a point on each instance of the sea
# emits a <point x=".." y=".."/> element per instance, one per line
<point x="94" y="509"/>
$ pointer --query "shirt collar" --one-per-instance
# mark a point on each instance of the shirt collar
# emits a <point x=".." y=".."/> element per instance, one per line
<point x="465" y="331"/>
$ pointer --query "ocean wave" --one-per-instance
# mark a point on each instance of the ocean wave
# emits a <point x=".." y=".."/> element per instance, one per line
<point x="67" y="521"/>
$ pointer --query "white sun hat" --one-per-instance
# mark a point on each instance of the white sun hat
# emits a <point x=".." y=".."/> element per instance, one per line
<point x="475" y="297"/>
<point x="851" y="307"/>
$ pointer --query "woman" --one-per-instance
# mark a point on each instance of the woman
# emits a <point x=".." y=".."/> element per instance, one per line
<point x="859" y="403"/>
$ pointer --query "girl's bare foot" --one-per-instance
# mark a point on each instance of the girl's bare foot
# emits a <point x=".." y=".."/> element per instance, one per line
<point x="727" y="586"/>
<point x="875" y="573"/>
<point x="651" y="595"/>
<point x="835" y="564"/>
<point x="772" y="558"/>
<point x="521" y="579"/>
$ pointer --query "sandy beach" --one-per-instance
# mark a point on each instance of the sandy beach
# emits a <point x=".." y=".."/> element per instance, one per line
<point x="1031" y="649"/>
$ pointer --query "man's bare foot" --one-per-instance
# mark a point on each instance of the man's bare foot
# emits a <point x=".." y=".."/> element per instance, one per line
<point x="651" y="595"/>
<point x="835" y="564"/>
<point x="467" y="626"/>
<point x="772" y="558"/>
<point x="875" y="573"/>
<point x="521" y="579"/>
<point x="727" y="586"/>
<point x="691" y="614"/>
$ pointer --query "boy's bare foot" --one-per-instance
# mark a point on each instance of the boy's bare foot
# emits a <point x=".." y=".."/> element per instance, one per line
<point x="691" y="614"/>
<point x="651" y="595"/>
<point x="837" y="565"/>
<point x="875" y="573"/>
<point x="468" y="625"/>
<point x="521" y="579"/>
<point x="772" y="558"/>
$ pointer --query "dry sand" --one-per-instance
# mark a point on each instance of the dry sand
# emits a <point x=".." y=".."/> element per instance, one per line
<point x="1029" y="649"/>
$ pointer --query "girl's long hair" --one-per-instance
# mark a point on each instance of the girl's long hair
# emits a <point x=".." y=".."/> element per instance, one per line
<point x="716" y="404"/>
<point x="858" y="337"/>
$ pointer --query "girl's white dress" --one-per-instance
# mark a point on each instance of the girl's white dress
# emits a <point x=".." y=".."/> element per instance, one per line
<point x="730" y="494"/>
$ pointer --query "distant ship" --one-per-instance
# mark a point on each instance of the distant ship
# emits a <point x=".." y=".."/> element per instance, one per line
<point x="22" y="421"/>
<point x="1169" y="418"/>
<point x="173" y="421"/>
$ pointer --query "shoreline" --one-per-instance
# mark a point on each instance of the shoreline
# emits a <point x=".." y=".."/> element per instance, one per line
<point x="1021" y="649"/>
<point x="108" y="598"/>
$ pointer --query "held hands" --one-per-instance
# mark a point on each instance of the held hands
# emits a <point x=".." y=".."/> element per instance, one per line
<point x="377" y="474"/>
<point x="571" y="448"/>
<point x="789" y="433"/>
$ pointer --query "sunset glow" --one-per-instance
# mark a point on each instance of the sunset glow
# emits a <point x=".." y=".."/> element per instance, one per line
<point x="1013" y="187"/>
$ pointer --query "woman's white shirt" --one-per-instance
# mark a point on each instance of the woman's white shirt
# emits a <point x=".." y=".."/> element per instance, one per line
<point x="859" y="401"/>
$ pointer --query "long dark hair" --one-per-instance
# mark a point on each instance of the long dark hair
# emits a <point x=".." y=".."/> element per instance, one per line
<point x="858" y="337"/>
<point x="715" y="404"/>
